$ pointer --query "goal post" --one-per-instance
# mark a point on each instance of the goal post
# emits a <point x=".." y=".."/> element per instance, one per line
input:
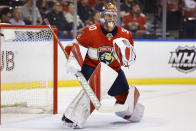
<point x="28" y="78"/>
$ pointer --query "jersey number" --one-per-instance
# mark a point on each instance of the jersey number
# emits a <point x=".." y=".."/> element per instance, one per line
<point x="124" y="30"/>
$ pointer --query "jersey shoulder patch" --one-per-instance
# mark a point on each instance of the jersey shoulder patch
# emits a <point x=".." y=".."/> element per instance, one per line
<point x="124" y="32"/>
<point x="92" y="27"/>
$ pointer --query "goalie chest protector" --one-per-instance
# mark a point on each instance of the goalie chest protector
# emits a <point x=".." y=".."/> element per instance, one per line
<point x="100" y="46"/>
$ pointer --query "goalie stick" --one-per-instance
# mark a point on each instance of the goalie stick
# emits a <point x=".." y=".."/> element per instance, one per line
<point x="80" y="77"/>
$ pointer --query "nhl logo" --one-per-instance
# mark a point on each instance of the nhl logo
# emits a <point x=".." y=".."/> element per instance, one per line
<point x="184" y="59"/>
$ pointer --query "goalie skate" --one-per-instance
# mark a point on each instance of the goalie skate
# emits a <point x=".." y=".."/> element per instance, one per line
<point x="68" y="123"/>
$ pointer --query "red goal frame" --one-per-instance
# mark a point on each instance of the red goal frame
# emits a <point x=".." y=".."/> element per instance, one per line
<point x="55" y="62"/>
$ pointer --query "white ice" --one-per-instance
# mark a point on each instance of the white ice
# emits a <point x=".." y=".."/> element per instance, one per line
<point x="167" y="108"/>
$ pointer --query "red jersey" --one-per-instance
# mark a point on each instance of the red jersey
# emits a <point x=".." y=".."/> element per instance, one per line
<point x="141" y="19"/>
<point x="100" y="46"/>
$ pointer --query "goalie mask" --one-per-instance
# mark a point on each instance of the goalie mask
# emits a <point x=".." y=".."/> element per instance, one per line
<point x="123" y="51"/>
<point x="110" y="16"/>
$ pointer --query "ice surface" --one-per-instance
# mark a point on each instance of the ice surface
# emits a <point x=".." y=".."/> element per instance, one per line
<point x="168" y="108"/>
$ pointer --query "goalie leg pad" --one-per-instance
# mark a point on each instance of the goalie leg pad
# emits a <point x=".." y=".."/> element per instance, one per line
<point x="78" y="111"/>
<point x="134" y="112"/>
<point x="136" y="116"/>
<point x="80" y="108"/>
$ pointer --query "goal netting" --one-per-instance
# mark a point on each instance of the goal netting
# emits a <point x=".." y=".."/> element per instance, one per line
<point x="28" y="71"/>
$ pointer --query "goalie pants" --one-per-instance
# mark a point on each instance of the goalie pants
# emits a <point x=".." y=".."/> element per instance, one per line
<point x="120" y="85"/>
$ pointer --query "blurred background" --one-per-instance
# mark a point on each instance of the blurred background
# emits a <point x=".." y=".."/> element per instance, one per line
<point x="146" y="19"/>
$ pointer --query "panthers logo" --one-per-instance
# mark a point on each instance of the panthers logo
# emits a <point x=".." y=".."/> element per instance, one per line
<point x="105" y="54"/>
